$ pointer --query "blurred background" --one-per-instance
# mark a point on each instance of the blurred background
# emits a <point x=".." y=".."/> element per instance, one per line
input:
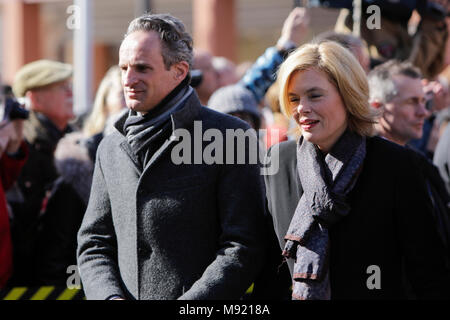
<point x="88" y="33"/>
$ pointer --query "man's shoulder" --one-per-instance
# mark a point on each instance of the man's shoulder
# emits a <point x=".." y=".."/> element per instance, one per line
<point x="285" y="151"/>
<point x="288" y="147"/>
<point x="386" y="149"/>
<point x="214" y="119"/>
<point x="391" y="157"/>
<point x="110" y="142"/>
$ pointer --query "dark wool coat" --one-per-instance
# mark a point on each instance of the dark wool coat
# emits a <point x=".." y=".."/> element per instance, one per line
<point x="390" y="226"/>
<point x="187" y="231"/>
<point x="56" y="242"/>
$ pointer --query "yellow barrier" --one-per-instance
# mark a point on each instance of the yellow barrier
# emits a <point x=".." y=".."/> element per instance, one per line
<point x="41" y="293"/>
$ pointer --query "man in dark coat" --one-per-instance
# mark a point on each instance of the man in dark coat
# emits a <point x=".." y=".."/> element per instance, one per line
<point x="397" y="90"/>
<point x="158" y="227"/>
<point x="45" y="86"/>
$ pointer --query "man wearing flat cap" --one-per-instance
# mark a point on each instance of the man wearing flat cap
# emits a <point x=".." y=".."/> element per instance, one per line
<point x="46" y="88"/>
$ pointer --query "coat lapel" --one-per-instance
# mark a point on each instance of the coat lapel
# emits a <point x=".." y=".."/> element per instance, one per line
<point x="127" y="149"/>
<point x="183" y="118"/>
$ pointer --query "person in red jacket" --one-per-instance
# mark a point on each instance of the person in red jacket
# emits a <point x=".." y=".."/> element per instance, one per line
<point x="13" y="154"/>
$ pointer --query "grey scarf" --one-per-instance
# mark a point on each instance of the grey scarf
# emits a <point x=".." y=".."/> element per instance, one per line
<point x="326" y="181"/>
<point x="146" y="133"/>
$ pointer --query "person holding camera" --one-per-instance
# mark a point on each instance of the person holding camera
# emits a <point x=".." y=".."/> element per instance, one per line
<point x="13" y="154"/>
<point x="412" y="30"/>
<point x="45" y="86"/>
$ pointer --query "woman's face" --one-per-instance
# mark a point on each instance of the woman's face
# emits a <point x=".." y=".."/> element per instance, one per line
<point x="317" y="107"/>
<point x="115" y="100"/>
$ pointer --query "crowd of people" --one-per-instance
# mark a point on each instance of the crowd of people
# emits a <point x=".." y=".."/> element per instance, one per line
<point x="357" y="126"/>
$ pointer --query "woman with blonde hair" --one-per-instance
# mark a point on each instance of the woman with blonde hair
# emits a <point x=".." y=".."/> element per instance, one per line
<point x="349" y="209"/>
<point x="109" y="102"/>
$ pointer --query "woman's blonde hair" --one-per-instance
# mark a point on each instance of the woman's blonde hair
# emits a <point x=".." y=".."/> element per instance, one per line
<point x="343" y="71"/>
<point x="96" y="121"/>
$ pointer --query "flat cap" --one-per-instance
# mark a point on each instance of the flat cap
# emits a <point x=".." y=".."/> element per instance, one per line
<point x="38" y="74"/>
<point x="234" y="98"/>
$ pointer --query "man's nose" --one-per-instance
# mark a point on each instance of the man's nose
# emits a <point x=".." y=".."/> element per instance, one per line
<point x="422" y="110"/>
<point x="129" y="78"/>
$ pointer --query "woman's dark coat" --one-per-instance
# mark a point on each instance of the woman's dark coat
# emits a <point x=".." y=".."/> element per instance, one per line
<point x="389" y="226"/>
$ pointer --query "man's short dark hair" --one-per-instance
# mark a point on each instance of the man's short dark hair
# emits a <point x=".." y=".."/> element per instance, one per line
<point x="176" y="43"/>
<point x="381" y="83"/>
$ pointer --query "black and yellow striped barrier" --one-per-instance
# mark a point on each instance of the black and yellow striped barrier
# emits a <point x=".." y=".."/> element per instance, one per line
<point x="41" y="293"/>
<point x="51" y="293"/>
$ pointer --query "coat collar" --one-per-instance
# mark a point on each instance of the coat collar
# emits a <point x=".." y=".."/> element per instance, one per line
<point x="181" y="119"/>
<point x="42" y="133"/>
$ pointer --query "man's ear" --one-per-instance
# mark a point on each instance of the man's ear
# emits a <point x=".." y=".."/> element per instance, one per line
<point x="181" y="69"/>
<point x="35" y="100"/>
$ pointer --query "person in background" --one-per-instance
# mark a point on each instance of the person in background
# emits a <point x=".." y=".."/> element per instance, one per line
<point x="226" y="71"/>
<point x="237" y="101"/>
<point x="262" y="74"/>
<point x="437" y="95"/>
<point x="350" y="42"/>
<point x="46" y="88"/>
<point x="426" y="47"/>
<point x="13" y="155"/>
<point x="210" y="79"/>
<point x="108" y="104"/>
<point x="66" y="203"/>
<point x="396" y="89"/>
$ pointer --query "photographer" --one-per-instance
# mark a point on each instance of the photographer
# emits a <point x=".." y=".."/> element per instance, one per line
<point x="426" y="48"/>
<point x="13" y="154"/>
<point x="46" y="88"/>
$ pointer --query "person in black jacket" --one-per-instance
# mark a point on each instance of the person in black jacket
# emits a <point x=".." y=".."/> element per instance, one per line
<point x="397" y="90"/>
<point x="348" y="207"/>
<point x="63" y="211"/>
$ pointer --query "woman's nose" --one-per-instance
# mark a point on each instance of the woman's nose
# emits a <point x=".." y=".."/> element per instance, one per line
<point x="303" y="107"/>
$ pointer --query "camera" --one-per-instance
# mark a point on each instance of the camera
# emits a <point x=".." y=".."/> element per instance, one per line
<point x="13" y="110"/>
<point x="196" y="78"/>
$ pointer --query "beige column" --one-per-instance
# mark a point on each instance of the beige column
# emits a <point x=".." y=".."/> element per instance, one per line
<point x="21" y="36"/>
<point x="214" y="27"/>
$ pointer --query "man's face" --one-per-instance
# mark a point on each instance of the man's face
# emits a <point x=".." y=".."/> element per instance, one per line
<point x="404" y="115"/>
<point x="145" y="79"/>
<point x="55" y="101"/>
